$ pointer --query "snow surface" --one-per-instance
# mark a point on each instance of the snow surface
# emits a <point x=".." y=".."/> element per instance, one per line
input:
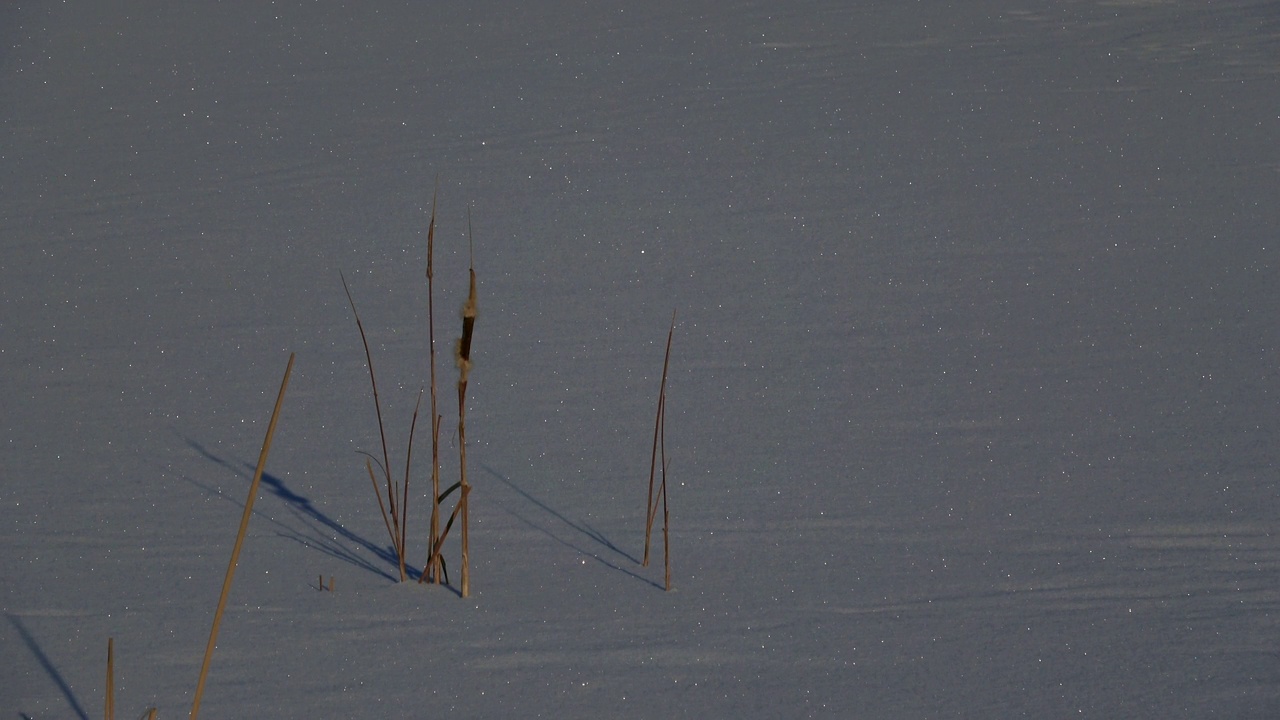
<point x="973" y="404"/>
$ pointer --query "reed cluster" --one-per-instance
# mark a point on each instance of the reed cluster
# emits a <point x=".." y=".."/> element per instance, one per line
<point x="658" y="466"/>
<point x="393" y="495"/>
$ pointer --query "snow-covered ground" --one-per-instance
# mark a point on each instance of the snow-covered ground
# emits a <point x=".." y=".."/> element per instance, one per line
<point x="973" y="397"/>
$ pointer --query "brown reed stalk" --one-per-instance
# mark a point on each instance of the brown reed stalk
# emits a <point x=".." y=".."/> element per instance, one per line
<point x="235" y="550"/>
<point x="404" y="497"/>
<point x="110" y="710"/>
<point x="433" y="569"/>
<point x="659" y="437"/>
<point x="435" y="563"/>
<point x="392" y="519"/>
<point x="463" y="359"/>
<point x="651" y="506"/>
<point x="666" y="515"/>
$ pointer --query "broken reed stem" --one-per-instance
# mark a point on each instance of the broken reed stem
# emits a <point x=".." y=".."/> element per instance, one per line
<point x="235" y="550"/>
<point x="393" y="523"/>
<point x="448" y="525"/>
<point x="651" y="505"/>
<point x="432" y="570"/>
<point x="110" y="709"/>
<point x="464" y="370"/>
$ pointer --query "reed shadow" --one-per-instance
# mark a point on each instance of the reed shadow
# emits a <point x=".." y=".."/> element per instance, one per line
<point x="581" y="528"/>
<point x="47" y="665"/>
<point x="315" y="537"/>
<point x="320" y="532"/>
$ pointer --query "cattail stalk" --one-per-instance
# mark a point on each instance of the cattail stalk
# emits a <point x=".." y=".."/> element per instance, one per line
<point x="469" y="311"/>
<point x="392" y="516"/>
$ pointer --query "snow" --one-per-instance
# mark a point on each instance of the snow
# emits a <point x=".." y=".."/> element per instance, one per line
<point x="972" y="408"/>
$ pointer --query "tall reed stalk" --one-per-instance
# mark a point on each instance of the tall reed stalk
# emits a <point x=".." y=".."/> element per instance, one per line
<point x="109" y="711"/>
<point x="469" y="311"/>
<point x="659" y="454"/>
<point x="433" y="570"/>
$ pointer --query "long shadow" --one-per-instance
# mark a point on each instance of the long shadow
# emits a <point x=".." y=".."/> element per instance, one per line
<point x="321" y="532"/>
<point x="50" y="669"/>
<point x="581" y="528"/>
<point x="317" y="522"/>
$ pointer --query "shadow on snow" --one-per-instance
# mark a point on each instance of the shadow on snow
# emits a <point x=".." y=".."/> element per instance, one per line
<point x="320" y="532"/>
<point x="581" y="528"/>
<point x="49" y="668"/>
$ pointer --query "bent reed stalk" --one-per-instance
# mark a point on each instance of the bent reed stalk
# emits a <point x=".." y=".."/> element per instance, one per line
<point x="394" y="520"/>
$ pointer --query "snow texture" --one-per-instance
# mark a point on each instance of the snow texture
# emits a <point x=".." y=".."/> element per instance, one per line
<point x="973" y="399"/>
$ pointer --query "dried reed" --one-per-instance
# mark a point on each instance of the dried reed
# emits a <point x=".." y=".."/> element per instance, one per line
<point x="434" y="569"/>
<point x="464" y="370"/>
<point x="110" y="710"/>
<point x="394" y="515"/>
<point x="394" y="520"/>
<point x="659" y="445"/>
<point x="235" y="550"/>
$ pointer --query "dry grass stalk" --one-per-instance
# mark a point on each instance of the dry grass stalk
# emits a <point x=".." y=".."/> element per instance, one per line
<point x="235" y="550"/>
<point x="659" y="442"/>
<point x="110" y="710"/>
<point x="393" y="515"/>
<point x="463" y="358"/>
<point x="666" y="514"/>
<point x="404" y="497"/>
<point x="434" y="569"/>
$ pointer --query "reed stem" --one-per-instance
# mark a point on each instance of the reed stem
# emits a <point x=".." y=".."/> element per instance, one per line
<point x="469" y="311"/>
<point x="433" y="560"/>
<point x="235" y="551"/>
<point x="393" y="522"/>
<point x="651" y="504"/>
<point x="110" y="710"/>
